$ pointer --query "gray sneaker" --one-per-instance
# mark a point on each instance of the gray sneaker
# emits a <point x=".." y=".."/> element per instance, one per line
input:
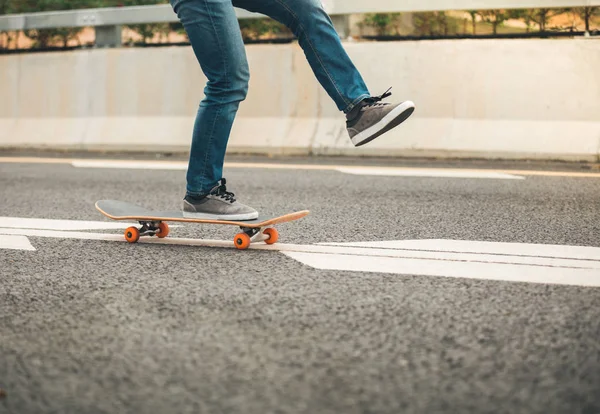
<point x="218" y="204"/>
<point x="373" y="118"/>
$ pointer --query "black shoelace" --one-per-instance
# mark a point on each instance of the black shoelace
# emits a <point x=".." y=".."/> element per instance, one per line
<point x="221" y="192"/>
<point x="376" y="100"/>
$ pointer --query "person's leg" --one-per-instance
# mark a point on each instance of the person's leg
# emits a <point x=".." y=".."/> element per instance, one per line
<point x="321" y="44"/>
<point x="367" y="116"/>
<point x="214" y="33"/>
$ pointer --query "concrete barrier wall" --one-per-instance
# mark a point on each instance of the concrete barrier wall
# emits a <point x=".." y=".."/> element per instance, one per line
<point x="484" y="98"/>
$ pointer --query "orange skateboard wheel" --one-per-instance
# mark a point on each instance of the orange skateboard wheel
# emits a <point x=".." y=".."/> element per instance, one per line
<point x="164" y="230"/>
<point x="132" y="234"/>
<point x="241" y="241"/>
<point x="273" y="235"/>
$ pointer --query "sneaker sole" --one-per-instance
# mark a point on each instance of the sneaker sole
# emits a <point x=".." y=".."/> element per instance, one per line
<point x="398" y="115"/>
<point x="230" y="217"/>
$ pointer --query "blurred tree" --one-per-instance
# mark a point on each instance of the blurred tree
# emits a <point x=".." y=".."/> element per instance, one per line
<point x="146" y="30"/>
<point x="444" y="23"/>
<point x="524" y="15"/>
<point x="109" y="3"/>
<point x="149" y="30"/>
<point x="473" y="14"/>
<point x="178" y="28"/>
<point x="495" y="18"/>
<point x="586" y="14"/>
<point x="5" y="8"/>
<point x="254" y="29"/>
<point x="542" y="16"/>
<point x="434" y="24"/>
<point x="44" y="37"/>
<point x="383" y="22"/>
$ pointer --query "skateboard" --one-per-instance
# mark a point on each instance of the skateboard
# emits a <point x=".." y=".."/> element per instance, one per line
<point x="153" y="223"/>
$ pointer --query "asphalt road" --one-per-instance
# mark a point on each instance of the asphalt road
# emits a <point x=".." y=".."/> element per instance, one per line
<point x="104" y="327"/>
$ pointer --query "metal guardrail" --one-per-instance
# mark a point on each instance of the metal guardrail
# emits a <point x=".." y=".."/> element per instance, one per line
<point x="108" y="21"/>
<point x="108" y="16"/>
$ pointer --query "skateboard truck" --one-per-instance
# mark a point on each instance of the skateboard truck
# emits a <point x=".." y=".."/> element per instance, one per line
<point x="241" y="241"/>
<point x="151" y="228"/>
<point x="159" y="229"/>
<point x="253" y="234"/>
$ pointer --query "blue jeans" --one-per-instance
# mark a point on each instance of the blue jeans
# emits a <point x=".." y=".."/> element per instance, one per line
<point x="216" y="39"/>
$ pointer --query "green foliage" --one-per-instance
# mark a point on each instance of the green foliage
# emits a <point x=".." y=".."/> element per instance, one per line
<point x="473" y="14"/>
<point x="542" y="16"/>
<point x="524" y="15"/>
<point x="434" y="24"/>
<point x="146" y="30"/>
<point x="383" y="23"/>
<point x="253" y="29"/>
<point x="31" y="6"/>
<point x="425" y="24"/>
<point x="43" y="37"/>
<point x="5" y="37"/>
<point x="5" y="6"/>
<point x="178" y="28"/>
<point x="587" y="14"/>
<point x="149" y="30"/>
<point x="495" y="18"/>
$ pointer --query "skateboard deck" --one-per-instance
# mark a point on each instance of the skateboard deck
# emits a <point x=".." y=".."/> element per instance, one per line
<point x="153" y="223"/>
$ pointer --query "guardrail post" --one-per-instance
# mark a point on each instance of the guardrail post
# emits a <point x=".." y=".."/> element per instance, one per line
<point x="109" y="36"/>
<point x="342" y="25"/>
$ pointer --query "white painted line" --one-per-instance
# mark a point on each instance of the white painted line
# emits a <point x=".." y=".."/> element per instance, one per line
<point x="430" y="172"/>
<point x="15" y="243"/>
<point x="484" y="271"/>
<point x="534" y="263"/>
<point x="179" y="165"/>
<point x="374" y="171"/>
<point x="457" y="257"/>
<point x="120" y="238"/>
<point x="51" y="224"/>
<point x="481" y="247"/>
<point x="132" y="165"/>
<point x="513" y="262"/>
<point x="590" y="259"/>
<point x="576" y="257"/>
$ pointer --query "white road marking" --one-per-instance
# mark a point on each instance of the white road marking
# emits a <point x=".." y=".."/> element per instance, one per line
<point x="180" y="165"/>
<point x="375" y="171"/>
<point x="430" y="172"/>
<point x="119" y="238"/>
<point x="514" y="262"/>
<point x="482" y="247"/>
<point x="470" y="270"/>
<point x="15" y="243"/>
<point x="51" y="224"/>
<point x="132" y="165"/>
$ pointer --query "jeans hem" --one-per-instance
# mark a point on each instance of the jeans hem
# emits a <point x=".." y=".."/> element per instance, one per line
<point x="195" y="193"/>
<point x="353" y="104"/>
